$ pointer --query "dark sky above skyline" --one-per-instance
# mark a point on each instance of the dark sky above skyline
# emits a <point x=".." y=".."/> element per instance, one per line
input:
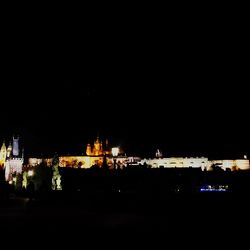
<point x="179" y="86"/>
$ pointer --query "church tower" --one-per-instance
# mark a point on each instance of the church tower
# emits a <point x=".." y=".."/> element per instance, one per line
<point x="3" y="155"/>
<point x="9" y="150"/>
<point x="106" y="149"/>
<point x="97" y="147"/>
<point x="15" y="146"/>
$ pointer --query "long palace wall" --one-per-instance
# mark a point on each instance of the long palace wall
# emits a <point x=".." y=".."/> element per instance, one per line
<point x="171" y="162"/>
<point x="203" y="163"/>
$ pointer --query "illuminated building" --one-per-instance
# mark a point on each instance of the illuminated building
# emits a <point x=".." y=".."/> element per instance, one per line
<point x="94" y="157"/>
<point x="33" y="162"/>
<point x="89" y="161"/>
<point x="196" y="162"/>
<point x="3" y="155"/>
<point x="97" y="149"/>
<point x="176" y="162"/>
<point x="238" y="164"/>
<point x="80" y="161"/>
<point x="96" y="154"/>
<point x="11" y="159"/>
<point x="86" y="161"/>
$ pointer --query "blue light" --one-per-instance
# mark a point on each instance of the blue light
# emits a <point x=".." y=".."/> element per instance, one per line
<point x="214" y="188"/>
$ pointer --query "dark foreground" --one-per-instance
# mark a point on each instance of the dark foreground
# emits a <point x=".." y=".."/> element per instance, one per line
<point x="81" y="216"/>
<point x="113" y="209"/>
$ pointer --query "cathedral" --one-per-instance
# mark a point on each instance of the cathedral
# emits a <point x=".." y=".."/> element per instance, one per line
<point x="11" y="159"/>
<point x="94" y="156"/>
<point x="98" y="149"/>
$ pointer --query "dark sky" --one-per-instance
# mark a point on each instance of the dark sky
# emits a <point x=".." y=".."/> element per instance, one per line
<point x="177" y="83"/>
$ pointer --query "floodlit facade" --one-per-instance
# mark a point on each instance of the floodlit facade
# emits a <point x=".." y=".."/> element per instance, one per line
<point x="89" y="161"/>
<point x="203" y="163"/>
<point x="98" y="152"/>
<point x="239" y="164"/>
<point x="242" y="164"/>
<point x="95" y="155"/>
<point x="80" y="161"/>
<point x="176" y="162"/>
<point x="197" y="162"/>
<point x="33" y="162"/>
<point x="98" y="148"/>
<point x="86" y="161"/>
<point x="11" y="159"/>
<point x="3" y="155"/>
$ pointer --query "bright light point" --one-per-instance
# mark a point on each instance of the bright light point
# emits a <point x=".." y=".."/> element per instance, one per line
<point x="214" y="188"/>
<point x="115" y="151"/>
<point x="10" y="182"/>
<point x="30" y="173"/>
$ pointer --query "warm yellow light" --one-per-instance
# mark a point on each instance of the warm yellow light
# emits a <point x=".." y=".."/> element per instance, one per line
<point x="30" y="173"/>
<point x="10" y="182"/>
<point x="115" y="151"/>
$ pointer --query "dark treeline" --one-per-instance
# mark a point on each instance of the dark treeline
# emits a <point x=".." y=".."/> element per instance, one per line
<point x="152" y="181"/>
<point x="136" y="180"/>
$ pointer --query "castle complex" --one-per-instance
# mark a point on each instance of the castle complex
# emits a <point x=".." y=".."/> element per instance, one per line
<point x="99" y="154"/>
<point x="95" y="156"/>
<point x="196" y="162"/>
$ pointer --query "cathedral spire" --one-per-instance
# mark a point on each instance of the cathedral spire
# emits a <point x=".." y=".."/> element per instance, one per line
<point x="9" y="150"/>
<point x="3" y="154"/>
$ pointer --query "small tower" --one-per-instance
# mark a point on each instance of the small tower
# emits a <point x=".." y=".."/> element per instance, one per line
<point x="3" y="155"/>
<point x="9" y="150"/>
<point x="16" y="146"/>
<point x="3" y="152"/>
<point x="88" y="149"/>
<point x="106" y="148"/>
<point x="158" y="154"/>
<point x="97" y="147"/>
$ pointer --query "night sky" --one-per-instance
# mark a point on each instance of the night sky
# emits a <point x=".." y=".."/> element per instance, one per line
<point x="179" y="85"/>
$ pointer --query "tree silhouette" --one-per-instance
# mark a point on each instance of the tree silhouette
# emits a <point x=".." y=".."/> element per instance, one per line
<point x="56" y="177"/>
<point x="42" y="176"/>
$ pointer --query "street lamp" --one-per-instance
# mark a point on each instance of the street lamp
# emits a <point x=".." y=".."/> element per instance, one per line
<point x="115" y="152"/>
<point x="30" y="173"/>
